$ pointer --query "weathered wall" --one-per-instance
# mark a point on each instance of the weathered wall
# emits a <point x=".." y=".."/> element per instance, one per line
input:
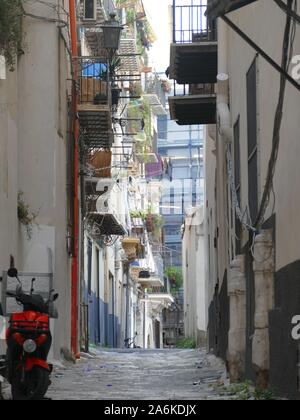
<point x="42" y="121"/>
<point x="33" y="122"/>
<point x="195" y="308"/>
<point x="8" y="174"/>
<point x="264" y="22"/>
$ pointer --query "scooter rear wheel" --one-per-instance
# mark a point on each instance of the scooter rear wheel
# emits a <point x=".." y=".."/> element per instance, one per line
<point x="35" y="386"/>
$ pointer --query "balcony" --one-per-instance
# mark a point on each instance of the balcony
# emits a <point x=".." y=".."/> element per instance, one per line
<point x="196" y="105"/>
<point x="152" y="281"/>
<point x="105" y="225"/>
<point x="100" y="218"/>
<point x="94" y="102"/>
<point x="194" y="51"/>
<point x="99" y="163"/>
<point x="132" y="247"/>
<point x="160" y="298"/>
<point x="137" y="273"/>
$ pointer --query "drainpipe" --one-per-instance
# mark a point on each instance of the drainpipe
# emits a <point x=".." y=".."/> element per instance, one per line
<point x="74" y="275"/>
<point x="223" y="112"/>
<point x="236" y="278"/>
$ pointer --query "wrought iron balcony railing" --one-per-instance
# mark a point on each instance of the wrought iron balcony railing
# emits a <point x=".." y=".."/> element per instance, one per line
<point x="194" y="89"/>
<point x="94" y="102"/>
<point x="190" y="23"/>
<point x="93" y="77"/>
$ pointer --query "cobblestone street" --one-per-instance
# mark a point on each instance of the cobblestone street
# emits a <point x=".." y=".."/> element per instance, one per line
<point x="140" y="375"/>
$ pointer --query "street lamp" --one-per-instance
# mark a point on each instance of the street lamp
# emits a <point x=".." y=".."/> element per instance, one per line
<point x="112" y="34"/>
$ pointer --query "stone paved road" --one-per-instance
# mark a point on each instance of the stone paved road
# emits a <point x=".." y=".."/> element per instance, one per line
<point x="139" y="375"/>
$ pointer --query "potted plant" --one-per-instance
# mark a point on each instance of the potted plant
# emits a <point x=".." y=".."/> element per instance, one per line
<point x="115" y="94"/>
<point x="100" y="99"/>
<point x="149" y="224"/>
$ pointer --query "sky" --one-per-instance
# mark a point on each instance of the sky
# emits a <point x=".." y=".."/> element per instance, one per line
<point x="158" y="15"/>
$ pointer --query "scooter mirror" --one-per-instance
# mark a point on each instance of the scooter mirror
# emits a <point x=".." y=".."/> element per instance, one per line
<point x="55" y="297"/>
<point x="12" y="273"/>
<point x="19" y="290"/>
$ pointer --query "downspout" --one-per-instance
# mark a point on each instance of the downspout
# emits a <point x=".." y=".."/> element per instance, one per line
<point x="224" y="137"/>
<point x="74" y="274"/>
<point x="223" y="112"/>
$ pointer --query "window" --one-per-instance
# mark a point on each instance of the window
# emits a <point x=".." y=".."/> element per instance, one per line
<point x="252" y="141"/>
<point x="90" y="9"/>
<point x="237" y="180"/>
<point x="90" y="256"/>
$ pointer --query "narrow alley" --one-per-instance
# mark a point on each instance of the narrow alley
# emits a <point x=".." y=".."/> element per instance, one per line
<point x="140" y="375"/>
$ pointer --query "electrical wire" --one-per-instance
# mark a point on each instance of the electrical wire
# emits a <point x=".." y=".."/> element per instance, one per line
<point x="288" y="44"/>
<point x="235" y="201"/>
<point x="292" y="13"/>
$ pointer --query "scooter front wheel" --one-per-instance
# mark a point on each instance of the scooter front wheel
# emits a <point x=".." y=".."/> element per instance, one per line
<point x="35" y="386"/>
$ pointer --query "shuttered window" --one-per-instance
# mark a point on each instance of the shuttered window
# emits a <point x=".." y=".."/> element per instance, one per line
<point x="90" y="254"/>
<point x="237" y="180"/>
<point x="89" y="9"/>
<point x="252" y="141"/>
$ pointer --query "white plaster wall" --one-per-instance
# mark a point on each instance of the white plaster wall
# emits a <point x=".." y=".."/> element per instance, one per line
<point x="42" y="137"/>
<point x="264" y="22"/>
<point x="194" y="273"/>
<point x="8" y="178"/>
<point x="210" y="209"/>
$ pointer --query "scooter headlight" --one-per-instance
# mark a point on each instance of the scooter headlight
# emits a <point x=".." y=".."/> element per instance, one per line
<point x="29" y="346"/>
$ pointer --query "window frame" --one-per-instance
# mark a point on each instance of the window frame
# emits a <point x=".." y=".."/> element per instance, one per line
<point x="88" y="19"/>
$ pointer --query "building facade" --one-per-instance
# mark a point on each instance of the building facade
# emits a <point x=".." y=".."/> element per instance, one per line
<point x="250" y="112"/>
<point x="34" y="122"/>
<point x="194" y="265"/>
<point x="78" y="212"/>
<point x="184" y="186"/>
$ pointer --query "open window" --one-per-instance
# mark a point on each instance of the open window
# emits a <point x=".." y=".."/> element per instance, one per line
<point x="90" y="9"/>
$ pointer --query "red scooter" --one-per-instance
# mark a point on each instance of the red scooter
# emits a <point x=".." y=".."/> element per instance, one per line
<point x="28" y="344"/>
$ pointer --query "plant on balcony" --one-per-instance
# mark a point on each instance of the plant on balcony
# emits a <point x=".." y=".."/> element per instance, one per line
<point x="166" y="86"/>
<point x="175" y="276"/>
<point x="25" y="215"/>
<point x="100" y="99"/>
<point x="154" y="224"/>
<point x="114" y="65"/>
<point x="138" y="214"/>
<point x="11" y="33"/>
<point x="136" y="89"/>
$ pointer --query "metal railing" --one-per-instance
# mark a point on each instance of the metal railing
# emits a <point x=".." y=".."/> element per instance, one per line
<point x="93" y="81"/>
<point x="190" y="23"/>
<point x="108" y="6"/>
<point x="194" y="89"/>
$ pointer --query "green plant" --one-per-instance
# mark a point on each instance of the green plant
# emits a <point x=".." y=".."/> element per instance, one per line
<point x="175" y="276"/>
<point x="264" y="395"/>
<point x="246" y="391"/>
<point x="187" y="343"/>
<point x="25" y="215"/>
<point x="114" y="66"/>
<point x="11" y="31"/>
<point x="138" y="214"/>
<point x="136" y="89"/>
<point x="130" y="17"/>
